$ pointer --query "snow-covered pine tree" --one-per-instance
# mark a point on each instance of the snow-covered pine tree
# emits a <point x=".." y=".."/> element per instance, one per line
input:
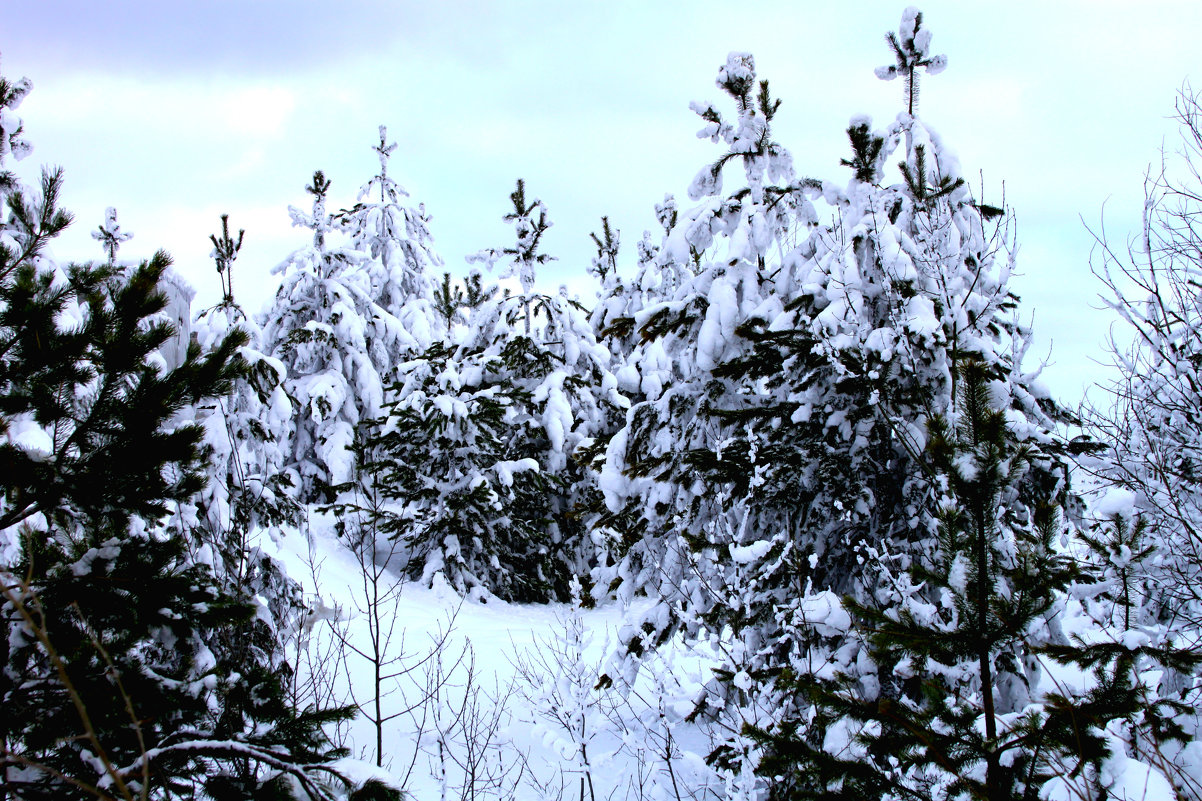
<point x="250" y="486"/>
<point x="906" y="287"/>
<point x="248" y="490"/>
<point x="402" y="251"/>
<point x="738" y="269"/>
<point x="622" y="299"/>
<point x="1124" y="714"/>
<point x="109" y="682"/>
<point x="110" y="236"/>
<point x="948" y="699"/>
<point x="337" y="344"/>
<point x="939" y="702"/>
<point x="911" y="47"/>
<point x="802" y="436"/>
<point x="479" y="448"/>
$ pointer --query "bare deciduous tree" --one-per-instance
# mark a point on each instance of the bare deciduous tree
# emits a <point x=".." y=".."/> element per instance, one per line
<point x="1151" y="413"/>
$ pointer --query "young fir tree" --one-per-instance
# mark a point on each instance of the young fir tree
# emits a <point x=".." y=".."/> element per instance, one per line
<point x="112" y="686"/>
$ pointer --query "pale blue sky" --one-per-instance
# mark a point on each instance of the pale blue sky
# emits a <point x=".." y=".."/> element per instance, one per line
<point x="175" y="112"/>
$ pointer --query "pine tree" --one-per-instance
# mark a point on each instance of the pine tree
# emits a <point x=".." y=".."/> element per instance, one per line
<point x="951" y="637"/>
<point x="480" y="445"/>
<point x="621" y="300"/>
<point x="946" y="699"/>
<point x="110" y="236"/>
<point x="249" y="487"/>
<point x="113" y="688"/>
<point x="398" y="239"/>
<point x="337" y="345"/>
<point x="800" y="441"/>
<point x="225" y="252"/>
<point x="84" y="492"/>
<point x="466" y="503"/>
<point x="1124" y="713"/>
<point x="733" y="244"/>
<point x="455" y="304"/>
<point x="911" y="46"/>
<point x="248" y="491"/>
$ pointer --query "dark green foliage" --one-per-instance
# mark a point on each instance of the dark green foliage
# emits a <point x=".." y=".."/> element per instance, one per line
<point x="526" y="249"/>
<point x="32" y="223"/>
<point x="374" y="790"/>
<point x="919" y="180"/>
<point x="103" y="401"/>
<point x="449" y="463"/>
<point x="127" y="617"/>
<point x="449" y="301"/>
<point x="953" y="636"/>
<point x="454" y="303"/>
<point x="866" y="152"/>
<point x="118" y="670"/>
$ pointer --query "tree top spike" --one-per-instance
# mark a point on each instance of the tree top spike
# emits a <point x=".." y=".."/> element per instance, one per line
<point x="911" y="47"/>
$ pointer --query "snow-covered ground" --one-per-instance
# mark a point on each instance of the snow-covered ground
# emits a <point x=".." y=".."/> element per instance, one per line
<point x="484" y="698"/>
<point x="498" y="699"/>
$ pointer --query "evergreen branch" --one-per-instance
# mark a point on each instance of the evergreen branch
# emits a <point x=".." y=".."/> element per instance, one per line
<point x="35" y="620"/>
